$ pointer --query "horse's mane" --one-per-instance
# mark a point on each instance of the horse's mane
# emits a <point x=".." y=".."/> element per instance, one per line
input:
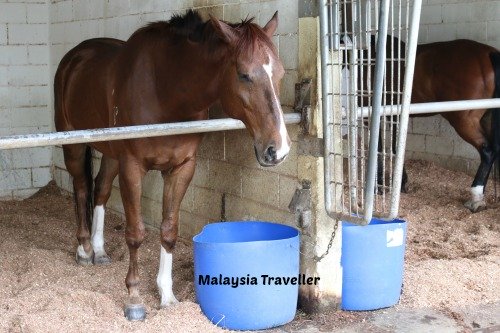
<point x="191" y="26"/>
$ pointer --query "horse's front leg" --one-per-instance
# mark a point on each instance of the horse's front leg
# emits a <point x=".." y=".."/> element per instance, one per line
<point x="477" y="202"/>
<point x="176" y="183"/>
<point x="131" y="175"/>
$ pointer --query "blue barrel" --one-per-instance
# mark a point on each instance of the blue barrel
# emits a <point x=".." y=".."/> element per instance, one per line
<point x="233" y="266"/>
<point x="372" y="264"/>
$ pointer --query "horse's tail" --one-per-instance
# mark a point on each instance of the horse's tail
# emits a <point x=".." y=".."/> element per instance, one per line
<point x="495" y="113"/>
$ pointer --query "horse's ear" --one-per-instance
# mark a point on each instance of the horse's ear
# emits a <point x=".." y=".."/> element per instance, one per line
<point x="272" y="25"/>
<point x="224" y="30"/>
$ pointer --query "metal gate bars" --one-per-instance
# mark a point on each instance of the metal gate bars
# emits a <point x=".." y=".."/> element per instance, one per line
<point x="367" y="60"/>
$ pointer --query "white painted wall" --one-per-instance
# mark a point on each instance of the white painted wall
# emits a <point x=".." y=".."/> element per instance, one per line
<point x="433" y="138"/>
<point x="24" y="94"/>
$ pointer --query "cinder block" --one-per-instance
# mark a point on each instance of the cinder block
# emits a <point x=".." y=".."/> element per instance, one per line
<point x="288" y="185"/>
<point x="250" y="9"/>
<point x="152" y="185"/>
<point x="13" y="55"/>
<point x="457" y="12"/>
<point x="96" y="8"/>
<point x="15" y="179"/>
<point x="207" y="203"/>
<point x="426" y="125"/>
<point x="439" y="145"/>
<point x="191" y="224"/>
<point x="288" y="13"/>
<point x="201" y="173"/>
<point x="115" y="201"/>
<point x="431" y="14"/>
<point x="415" y="142"/>
<point x="287" y="96"/>
<point x="4" y="79"/>
<point x="81" y="9"/>
<point x="5" y="195"/>
<point x="151" y="212"/>
<point x="40" y="176"/>
<point x="238" y="209"/>
<point x="28" y="75"/>
<point x="482" y="11"/>
<point x="28" y="34"/>
<point x="441" y="32"/>
<point x="226" y="2"/>
<point x="212" y="146"/>
<point x="225" y="177"/>
<point x="38" y="13"/>
<point x="32" y="157"/>
<point x="289" y="51"/>
<point x="240" y="149"/>
<point x="472" y="30"/>
<point x="3" y="34"/>
<point x="62" y="11"/>
<point x="215" y="11"/>
<point x="261" y="186"/>
<point x="38" y="55"/>
<point x="232" y="13"/>
<point x="35" y="116"/>
<point x="117" y="8"/>
<point x="187" y="203"/>
<point x="12" y="12"/>
<point x="493" y="36"/>
<point x="289" y="166"/>
<point x="463" y="149"/>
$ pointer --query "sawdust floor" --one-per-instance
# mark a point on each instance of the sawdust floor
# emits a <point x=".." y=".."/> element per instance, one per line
<point x="452" y="259"/>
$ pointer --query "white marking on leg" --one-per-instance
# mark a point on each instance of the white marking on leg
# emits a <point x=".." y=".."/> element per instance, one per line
<point x="477" y="193"/>
<point x="284" y="149"/>
<point x="81" y="252"/>
<point x="97" y="237"/>
<point x="164" y="279"/>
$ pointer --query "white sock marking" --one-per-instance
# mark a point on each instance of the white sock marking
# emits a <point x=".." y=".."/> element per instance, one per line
<point x="81" y="252"/>
<point x="284" y="149"/>
<point x="97" y="237"/>
<point x="164" y="279"/>
<point x="477" y="193"/>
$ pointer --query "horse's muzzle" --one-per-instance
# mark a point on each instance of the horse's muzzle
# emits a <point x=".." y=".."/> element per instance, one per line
<point x="269" y="157"/>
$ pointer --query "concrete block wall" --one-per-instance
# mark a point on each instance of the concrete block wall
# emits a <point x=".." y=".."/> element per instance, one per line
<point x="228" y="182"/>
<point x="24" y="95"/>
<point x="433" y="138"/>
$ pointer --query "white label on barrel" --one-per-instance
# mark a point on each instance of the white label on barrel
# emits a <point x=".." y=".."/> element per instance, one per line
<point x="395" y="237"/>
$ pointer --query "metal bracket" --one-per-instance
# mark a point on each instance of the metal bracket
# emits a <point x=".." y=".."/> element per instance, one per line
<point x="301" y="205"/>
<point x="311" y="146"/>
<point x="302" y="103"/>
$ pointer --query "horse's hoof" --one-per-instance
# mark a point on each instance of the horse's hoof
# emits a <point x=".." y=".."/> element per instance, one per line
<point x="102" y="259"/>
<point x="135" y="312"/>
<point x="168" y="301"/>
<point x="475" y="206"/>
<point x="83" y="261"/>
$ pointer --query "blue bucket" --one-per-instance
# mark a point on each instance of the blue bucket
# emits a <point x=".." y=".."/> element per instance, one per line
<point x="372" y="264"/>
<point x="235" y="256"/>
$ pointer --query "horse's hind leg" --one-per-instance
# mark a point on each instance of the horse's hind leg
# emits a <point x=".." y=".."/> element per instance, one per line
<point x="131" y="175"/>
<point x="103" y="186"/>
<point x="78" y="159"/>
<point x="477" y="202"/>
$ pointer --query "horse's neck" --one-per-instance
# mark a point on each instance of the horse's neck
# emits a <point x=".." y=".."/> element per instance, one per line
<point x="193" y="76"/>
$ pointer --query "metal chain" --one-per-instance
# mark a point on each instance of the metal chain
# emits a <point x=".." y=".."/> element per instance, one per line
<point x="330" y="243"/>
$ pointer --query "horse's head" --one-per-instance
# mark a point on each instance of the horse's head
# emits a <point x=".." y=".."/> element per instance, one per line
<point x="250" y="86"/>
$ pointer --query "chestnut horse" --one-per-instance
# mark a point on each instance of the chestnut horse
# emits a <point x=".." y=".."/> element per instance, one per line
<point x="165" y="72"/>
<point x="460" y="70"/>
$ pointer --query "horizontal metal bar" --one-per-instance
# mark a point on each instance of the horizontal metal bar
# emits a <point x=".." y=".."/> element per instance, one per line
<point x="436" y="107"/>
<point x="128" y="132"/>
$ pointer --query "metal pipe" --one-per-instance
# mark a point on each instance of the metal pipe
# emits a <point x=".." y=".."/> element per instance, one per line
<point x="377" y="106"/>
<point x="128" y="132"/>
<point x="405" y="108"/>
<point x="435" y="107"/>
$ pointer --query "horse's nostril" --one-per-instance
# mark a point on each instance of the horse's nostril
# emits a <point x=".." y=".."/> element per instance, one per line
<point x="270" y="154"/>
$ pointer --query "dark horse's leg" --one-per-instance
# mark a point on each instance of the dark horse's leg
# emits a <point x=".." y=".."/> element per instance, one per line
<point x="176" y="182"/>
<point x="477" y="202"/>
<point x="131" y="175"/>
<point x="103" y="186"/>
<point x="78" y="160"/>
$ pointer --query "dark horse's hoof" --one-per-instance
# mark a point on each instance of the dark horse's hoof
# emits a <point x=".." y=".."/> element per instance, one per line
<point x="135" y="312"/>
<point x="83" y="261"/>
<point x="102" y="260"/>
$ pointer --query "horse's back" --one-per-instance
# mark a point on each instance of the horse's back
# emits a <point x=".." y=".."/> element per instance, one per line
<point x="453" y="70"/>
<point x="82" y="82"/>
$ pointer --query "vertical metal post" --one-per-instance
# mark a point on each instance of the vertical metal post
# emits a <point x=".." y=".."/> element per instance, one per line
<point x="405" y="108"/>
<point x="326" y="104"/>
<point x="377" y="106"/>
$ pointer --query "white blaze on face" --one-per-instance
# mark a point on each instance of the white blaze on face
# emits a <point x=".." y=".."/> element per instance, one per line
<point x="284" y="149"/>
<point x="164" y="279"/>
<point x="477" y="193"/>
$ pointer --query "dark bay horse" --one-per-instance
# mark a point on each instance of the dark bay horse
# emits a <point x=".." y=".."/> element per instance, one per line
<point x="165" y="72"/>
<point x="462" y="70"/>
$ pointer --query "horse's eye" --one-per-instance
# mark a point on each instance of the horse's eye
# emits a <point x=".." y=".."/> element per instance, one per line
<point x="244" y="77"/>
